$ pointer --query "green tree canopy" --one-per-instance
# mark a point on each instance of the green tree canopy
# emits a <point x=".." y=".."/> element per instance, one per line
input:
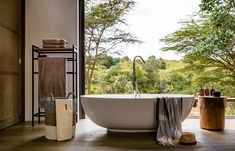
<point x="108" y="61"/>
<point x="208" y="41"/>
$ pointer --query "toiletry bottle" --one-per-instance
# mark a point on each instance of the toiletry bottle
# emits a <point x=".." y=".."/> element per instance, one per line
<point x="195" y="92"/>
<point x="201" y="91"/>
<point x="207" y="91"/>
<point x="212" y="91"/>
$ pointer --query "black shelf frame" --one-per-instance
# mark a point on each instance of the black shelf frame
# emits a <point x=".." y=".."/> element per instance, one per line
<point x="37" y="52"/>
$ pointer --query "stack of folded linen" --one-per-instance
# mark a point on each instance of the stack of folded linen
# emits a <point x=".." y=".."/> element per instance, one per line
<point x="54" y="43"/>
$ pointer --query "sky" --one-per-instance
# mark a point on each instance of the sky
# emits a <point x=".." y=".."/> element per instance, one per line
<point x="151" y="20"/>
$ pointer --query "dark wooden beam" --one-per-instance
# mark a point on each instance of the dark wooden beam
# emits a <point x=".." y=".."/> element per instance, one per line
<point x="81" y="56"/>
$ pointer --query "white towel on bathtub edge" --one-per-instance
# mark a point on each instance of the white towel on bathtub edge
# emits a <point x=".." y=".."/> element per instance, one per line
<point x="168" y="119"/>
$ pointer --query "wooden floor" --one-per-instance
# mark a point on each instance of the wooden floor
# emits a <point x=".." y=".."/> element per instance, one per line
<point x="90" y="137"/>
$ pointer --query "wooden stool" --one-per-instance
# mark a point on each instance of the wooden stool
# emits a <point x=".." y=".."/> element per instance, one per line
<point x="212" y="111"/>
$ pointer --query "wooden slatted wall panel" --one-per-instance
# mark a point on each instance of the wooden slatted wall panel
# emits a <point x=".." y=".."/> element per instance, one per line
<point x="10" y="105"/>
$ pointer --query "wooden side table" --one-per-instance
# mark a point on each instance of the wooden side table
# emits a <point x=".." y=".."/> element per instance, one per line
<point x="212" y="110"/>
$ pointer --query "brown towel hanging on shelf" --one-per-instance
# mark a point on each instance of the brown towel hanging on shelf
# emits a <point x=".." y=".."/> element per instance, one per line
<point x="52" y="78"/>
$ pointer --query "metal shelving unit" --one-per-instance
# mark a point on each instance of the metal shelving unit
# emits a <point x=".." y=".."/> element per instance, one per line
<point x="71" y="55"/>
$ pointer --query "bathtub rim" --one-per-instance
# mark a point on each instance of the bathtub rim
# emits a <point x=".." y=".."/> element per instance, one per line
<point x="133" y="96"/>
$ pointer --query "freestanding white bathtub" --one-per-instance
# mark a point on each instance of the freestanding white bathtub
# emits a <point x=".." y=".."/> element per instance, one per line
<point x="125" y="112"/>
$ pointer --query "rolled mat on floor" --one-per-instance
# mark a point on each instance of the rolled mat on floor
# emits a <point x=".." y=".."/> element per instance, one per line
<point x="52" y="78"/>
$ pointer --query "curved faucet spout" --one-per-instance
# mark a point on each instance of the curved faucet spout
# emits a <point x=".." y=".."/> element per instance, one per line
<point x="140" y="58"/>
<point x="134" y="81"/>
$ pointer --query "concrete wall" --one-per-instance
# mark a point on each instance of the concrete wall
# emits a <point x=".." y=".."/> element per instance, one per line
<point x="46" y="19"/>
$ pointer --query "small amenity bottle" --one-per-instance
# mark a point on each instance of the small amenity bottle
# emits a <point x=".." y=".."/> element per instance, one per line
<point x="195" y="92"/>
<point x="207" y="91"/>
<point x="201" y="91"/>
<point x="212" y="91"/>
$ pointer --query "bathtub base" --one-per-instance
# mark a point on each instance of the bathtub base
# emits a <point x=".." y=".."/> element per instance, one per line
<point x="130" y="131"/>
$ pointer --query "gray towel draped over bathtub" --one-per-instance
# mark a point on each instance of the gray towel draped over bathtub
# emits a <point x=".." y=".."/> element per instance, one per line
<point x="168" y="119"/>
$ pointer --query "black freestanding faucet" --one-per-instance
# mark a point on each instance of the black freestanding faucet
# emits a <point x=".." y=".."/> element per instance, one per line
<point x="134" y="81"/>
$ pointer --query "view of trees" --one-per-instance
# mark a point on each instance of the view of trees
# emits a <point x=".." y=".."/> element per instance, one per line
<point x="207" y="40"/>
<point x="103" y="19"/>
<point x="154" y="76"/>
<point x="208" y="43"/>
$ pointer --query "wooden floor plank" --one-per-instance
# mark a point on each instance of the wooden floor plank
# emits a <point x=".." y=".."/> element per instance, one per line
<point x="90" y="137"/>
